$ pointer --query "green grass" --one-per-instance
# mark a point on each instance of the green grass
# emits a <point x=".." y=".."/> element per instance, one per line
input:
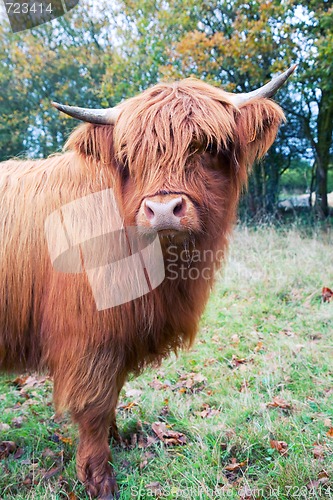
<point x="266" y="311"/>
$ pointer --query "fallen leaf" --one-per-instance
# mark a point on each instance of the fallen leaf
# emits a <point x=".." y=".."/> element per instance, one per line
<point x="191" y="382"/>
<point x="155" y="488"/>
<point x="18" y="453"/>
<point x="287" y="332"/>
<point x="235" y="466"/>
<point x="210" y="361"/>
<point x="318" y="451"/>
<point x="329" y="433"/>
<point x="169" y="437"/>
<point x="246" y="493"/>
<point x="27" y="480"/>
<point x="128" y="406"/>
<point x="147" y="457"/>
<point x="259" y="347"/>
<point x="235" y="339"/>
<point x="279" y="403"/>
<point x="244" y="387"/>
<point x="6" y="448"/>
<point x="52" y="472"/>
<point x="158" y="385"/>
<point x="49" y="453"/>
<point x="327" y="422"/>
<point x="280" y="446"/>
<point x="314" y="484"/>
<point x="326" y="294"/>
<point x="20" y="381"/>
<point x="133" y="393"/>
<point x="18" y="421"/>
<point x="207" y="411"/>
<point x="4" y="427"/>
<point x="235" y="361"/>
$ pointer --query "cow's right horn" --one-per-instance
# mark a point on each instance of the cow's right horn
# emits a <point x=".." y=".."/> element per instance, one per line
<point x="267" y="90"/>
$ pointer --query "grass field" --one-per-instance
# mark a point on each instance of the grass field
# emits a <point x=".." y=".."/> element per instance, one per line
<point x="253" y="400"/>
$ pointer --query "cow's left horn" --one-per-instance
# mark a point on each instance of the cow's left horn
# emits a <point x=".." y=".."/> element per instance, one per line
<point x="267" y="90"/>
<point x="106" y="116"/>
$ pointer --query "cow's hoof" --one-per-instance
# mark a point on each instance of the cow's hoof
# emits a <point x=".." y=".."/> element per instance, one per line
<point x="99" y="479"/>
<point x="106" y="489"/>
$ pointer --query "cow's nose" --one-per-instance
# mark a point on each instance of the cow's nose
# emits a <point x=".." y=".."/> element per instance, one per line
<point x="166" y="213"/>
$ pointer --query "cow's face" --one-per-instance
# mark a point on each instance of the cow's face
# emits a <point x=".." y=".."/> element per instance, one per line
<point x="181" y="153"/>
<point x="184" y="152"/>
<point x="192" y="203"/>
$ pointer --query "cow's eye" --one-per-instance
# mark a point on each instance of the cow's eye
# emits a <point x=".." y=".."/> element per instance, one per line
<point x="212" y="149"/>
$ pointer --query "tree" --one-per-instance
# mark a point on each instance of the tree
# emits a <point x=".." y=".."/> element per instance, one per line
<point x="65" y="61"/>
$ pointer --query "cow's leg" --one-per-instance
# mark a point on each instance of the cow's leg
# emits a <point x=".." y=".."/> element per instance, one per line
<point x="93" y="455"/>
<point x="114" y="435"/>
<point x="113" y="429"/>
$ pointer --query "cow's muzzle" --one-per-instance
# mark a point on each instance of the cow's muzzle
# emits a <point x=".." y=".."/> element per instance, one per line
<point x="168" y="213"/>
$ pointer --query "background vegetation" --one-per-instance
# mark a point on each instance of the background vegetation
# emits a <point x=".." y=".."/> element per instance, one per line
<point x="101" y="53"/>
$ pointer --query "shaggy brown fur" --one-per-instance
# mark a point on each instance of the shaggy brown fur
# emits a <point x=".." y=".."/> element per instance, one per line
<point x="184" y="137"/>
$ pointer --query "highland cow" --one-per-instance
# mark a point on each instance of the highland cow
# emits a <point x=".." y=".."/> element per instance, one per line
<point x="176" y="158"/>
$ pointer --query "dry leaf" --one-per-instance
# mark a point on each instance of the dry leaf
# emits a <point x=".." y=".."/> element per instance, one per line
<point x="133" y="393"/>
<point x="235" y="339"/>
<point x="18" y="453"/>
<point x="327" y="422"/>
<point x="246" y="493"/>
<point x="259" y="347"/>
<point x="314" y="484"/>
<point x="235" y="466"/>
<point x="191" y="382"/>
<point x="6" y="448"/>
<point x="169" y="437"/>
<point x="147" y="456"/>
<point x="127" y="406"/>
<point x="49" y="453"/>
<point x="158" y="385"/>
<point x="235" y="361"/>
<point x="210" y="361"/>
<point x="318" y="451"/>
<point x="279" y="403"/>
<point x="155" y="488"/>
<point x="329" y="433"/>
<point x="207" y="411"/>
<point x="18" y="421"/>
<point x="244" y="387"/>
<point x="280" y="446"/>
<point x="4" y="427"/>
<point x="326" y="294"/>
<point x="20" y="381"/>
<point x="52" y="472"/>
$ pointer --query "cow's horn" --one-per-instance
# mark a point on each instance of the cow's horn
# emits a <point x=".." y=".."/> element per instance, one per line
<point x="106" y="116"/>
<point x="267" y="90"/>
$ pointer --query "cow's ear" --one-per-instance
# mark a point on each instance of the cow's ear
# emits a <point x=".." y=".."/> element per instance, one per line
<point x="257" y="123"/>
<point x="93" y="141"/>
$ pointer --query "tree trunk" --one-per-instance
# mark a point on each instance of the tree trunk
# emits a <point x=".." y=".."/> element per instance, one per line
<point x="325" y="130"/>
